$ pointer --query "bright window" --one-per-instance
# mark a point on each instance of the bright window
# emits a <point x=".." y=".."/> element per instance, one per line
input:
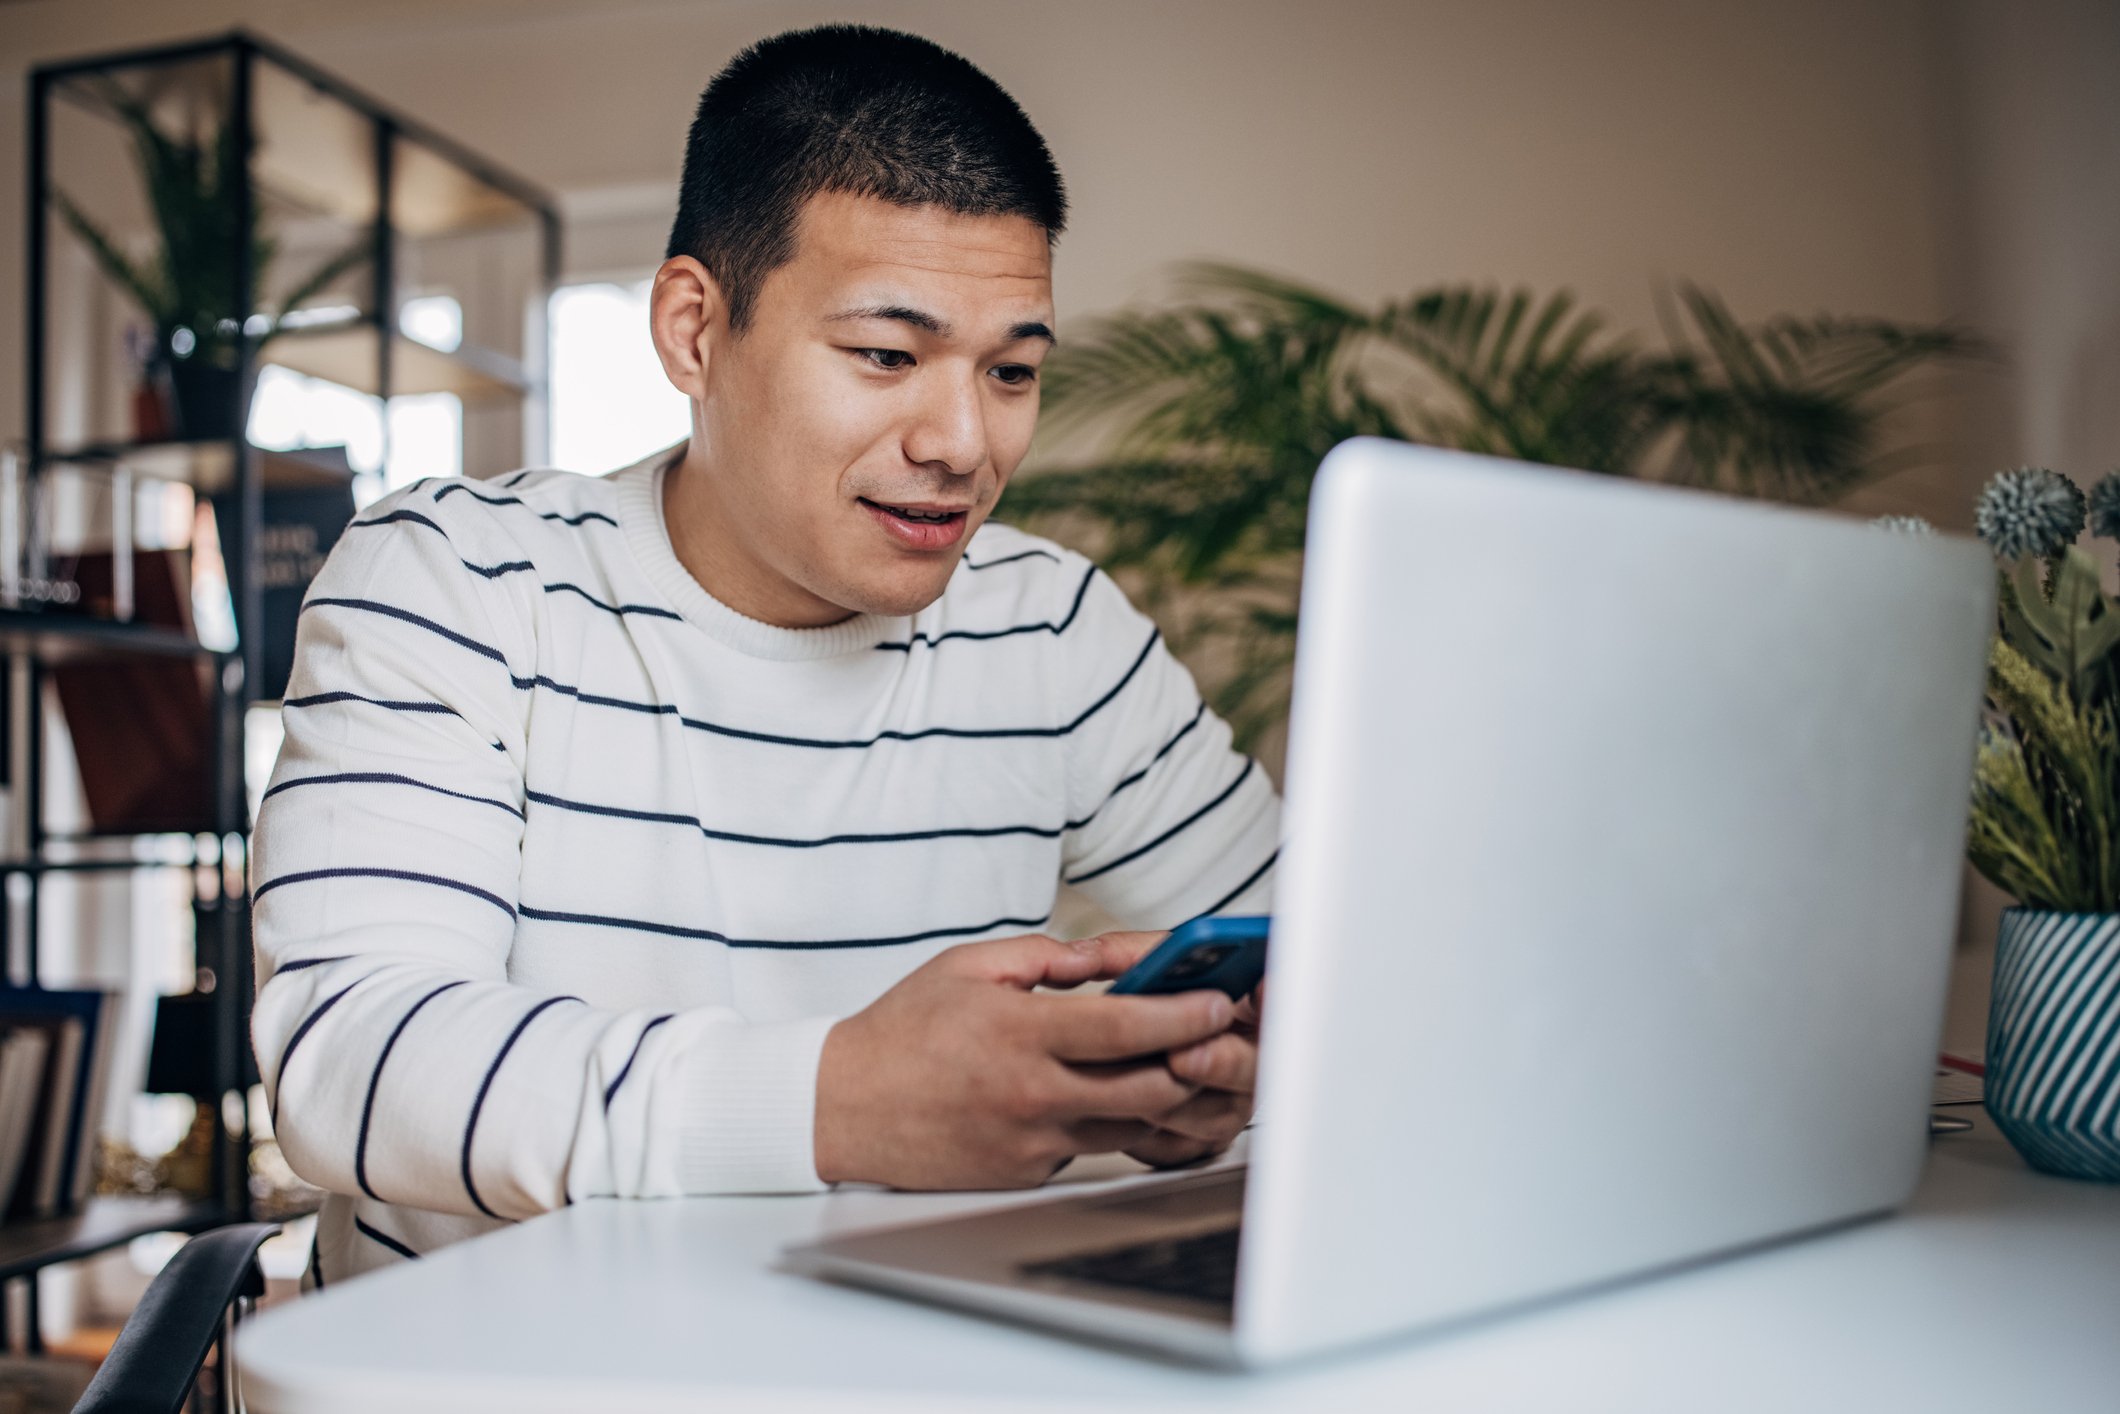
<point x="611" y="402"/>
<point x="293" y="410"/>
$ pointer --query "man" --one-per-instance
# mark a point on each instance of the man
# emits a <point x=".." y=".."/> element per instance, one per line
<point x="689" y="830"/>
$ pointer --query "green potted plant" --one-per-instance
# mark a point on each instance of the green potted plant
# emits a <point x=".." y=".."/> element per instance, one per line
<point x="1192" y="430"/>
<point x="2045" y="824"/>
<point x="189" y="289"/>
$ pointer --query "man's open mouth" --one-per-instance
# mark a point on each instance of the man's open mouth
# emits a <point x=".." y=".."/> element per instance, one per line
<point x="916" y="516"/>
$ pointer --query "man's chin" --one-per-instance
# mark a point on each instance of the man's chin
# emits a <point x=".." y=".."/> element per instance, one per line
<point x="897" y="598"/>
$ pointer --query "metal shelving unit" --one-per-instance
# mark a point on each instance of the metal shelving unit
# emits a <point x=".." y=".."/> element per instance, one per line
<point x="318" y="159"/>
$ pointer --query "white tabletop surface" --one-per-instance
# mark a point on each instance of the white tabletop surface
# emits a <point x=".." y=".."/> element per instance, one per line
<point x="1996" y="1288"/>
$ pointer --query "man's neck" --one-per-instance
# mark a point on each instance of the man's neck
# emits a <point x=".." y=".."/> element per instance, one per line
<point x="703" y="537"/>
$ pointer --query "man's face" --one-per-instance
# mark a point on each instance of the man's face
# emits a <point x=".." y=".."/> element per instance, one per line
<point x="865" y="423"/>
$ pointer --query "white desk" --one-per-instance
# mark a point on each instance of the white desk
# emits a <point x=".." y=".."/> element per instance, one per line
<point x="1996" y="1289"/>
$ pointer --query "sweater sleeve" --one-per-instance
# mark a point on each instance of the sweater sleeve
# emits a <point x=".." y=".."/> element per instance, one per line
<point x="1166" y="819"/>
<point x="399" y="1059"/>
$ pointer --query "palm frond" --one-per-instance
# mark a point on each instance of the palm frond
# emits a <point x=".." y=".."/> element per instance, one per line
<point x="1786" y="408"/>
<point x="191" y="190"/>
<point x="1536" y="379"/>
<point x="1208" y="420"/>
<point x="143" y="284"/>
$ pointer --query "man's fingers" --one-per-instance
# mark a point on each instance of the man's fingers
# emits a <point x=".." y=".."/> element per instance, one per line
<point x="1108" y="1028"/>
<point x="1165" y="1150"/>
<point x="1120" y="950"/>
<point x="1229" y="1061"/>
<point x="1140" y="1091"/>
<point x="1108" y="1136"/>
<point x="1032" y="959"/>
<point x="1212" y="1117"/>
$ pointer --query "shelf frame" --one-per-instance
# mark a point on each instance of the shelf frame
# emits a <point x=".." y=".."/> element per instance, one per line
<point x="104" y="1222"/>
<point x="33" y="643"/>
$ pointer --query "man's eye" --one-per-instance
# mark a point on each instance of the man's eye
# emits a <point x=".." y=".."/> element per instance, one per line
<point x="1016" y="374"/>
<point x="887" y="358"/>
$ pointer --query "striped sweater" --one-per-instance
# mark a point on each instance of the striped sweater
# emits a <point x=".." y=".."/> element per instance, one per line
<point x="566" y="867"/>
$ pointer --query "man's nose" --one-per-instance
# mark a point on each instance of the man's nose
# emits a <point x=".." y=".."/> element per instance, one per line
<point x="949" y="432"/>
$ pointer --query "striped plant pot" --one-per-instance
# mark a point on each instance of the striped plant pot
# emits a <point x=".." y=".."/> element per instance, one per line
<point x="2053" y="1050"/>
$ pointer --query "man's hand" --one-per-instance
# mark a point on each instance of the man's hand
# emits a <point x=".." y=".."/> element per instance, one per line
<point x="1225" y="1069"/>
<point x="962" y="1077"/>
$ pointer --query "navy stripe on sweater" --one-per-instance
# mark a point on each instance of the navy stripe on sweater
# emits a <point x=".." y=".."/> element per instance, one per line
<point x="375" y="1078"/>
<point x="673" y="930"/>
<point x="301" y="962"/>
<point x="658" y="817"/>
<point x="658" y="612"/>
<point x="652" y="611"/>
<point x="519" y="501"/>
<point x="486" y="1085"/>
<point x="514" y="566"/>
<point x="322" y="699"/>
<point x="1249" y="879"/>
<point x="415" y="518"/>
<point x="392" y="611"/>
<point x="1010" y="559"/>
<point x="406" y="875"/>
<point x="385" y="1239"/>
<point x="1056" y="629"/>
<point x="1049" y="832"/>
<point x="633" y="1055"/>
<point x="303" y="1030"/>
<point x="740" y="733"/>
<point x="386" y="778"/>
<point x="1131" y="855"/>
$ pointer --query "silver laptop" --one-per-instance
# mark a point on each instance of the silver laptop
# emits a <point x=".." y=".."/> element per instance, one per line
<point x="1612" y="928"/>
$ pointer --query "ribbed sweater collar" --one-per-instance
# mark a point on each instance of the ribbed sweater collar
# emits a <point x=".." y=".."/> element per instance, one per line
<point x="640" y="498"/>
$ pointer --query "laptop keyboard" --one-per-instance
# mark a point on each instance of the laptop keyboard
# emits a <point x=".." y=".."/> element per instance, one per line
<point x="1203" y="1268"/>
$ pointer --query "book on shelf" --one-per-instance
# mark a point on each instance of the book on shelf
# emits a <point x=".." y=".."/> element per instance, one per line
<point x="56" y="1048"/>
<point x="88" y="1131"/>
<point x="141" y="726"/>
<point x="22" y="1053"/>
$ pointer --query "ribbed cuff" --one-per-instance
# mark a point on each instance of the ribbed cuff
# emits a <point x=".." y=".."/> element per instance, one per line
<point x="749" y="1108"/>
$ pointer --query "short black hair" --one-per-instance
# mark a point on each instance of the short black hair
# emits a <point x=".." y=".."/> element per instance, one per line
<point x="856" y="109"/>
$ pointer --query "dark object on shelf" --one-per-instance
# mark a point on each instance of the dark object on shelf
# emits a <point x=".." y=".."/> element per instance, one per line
<point x="205" y="397"/>
<point x="180" y="1055"/>
<point x="210" y="1285"/>
<point x="305" y="510"/>
<point x="55" y="1163"/>
<point x="142" y="727"/>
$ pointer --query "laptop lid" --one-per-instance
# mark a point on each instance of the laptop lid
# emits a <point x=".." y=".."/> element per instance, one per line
<point x="1624" y="828"/>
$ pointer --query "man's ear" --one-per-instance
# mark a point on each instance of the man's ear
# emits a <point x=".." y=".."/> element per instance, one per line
<point x="689" y="320"/>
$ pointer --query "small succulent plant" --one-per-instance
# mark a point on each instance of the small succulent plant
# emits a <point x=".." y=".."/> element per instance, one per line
<point x="2029" y="513"/>
<point x="2046" y="786"/>
<point x="2105" y="507"/>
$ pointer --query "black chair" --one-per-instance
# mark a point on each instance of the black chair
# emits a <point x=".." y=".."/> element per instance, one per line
<point x="211" y="1284"/>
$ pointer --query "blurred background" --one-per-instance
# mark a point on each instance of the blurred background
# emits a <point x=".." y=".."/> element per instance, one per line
<point x="1846" y="252"/>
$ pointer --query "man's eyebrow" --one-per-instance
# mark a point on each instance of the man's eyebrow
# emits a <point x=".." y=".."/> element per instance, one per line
<point x="940" y="328"/>
<point x="918" y="318"/>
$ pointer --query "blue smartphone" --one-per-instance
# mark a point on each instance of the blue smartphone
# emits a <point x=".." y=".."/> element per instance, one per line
<point x="1227" y="953"/>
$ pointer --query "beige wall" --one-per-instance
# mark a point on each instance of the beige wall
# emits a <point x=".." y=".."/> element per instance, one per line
<point x="1782" y="152"/>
